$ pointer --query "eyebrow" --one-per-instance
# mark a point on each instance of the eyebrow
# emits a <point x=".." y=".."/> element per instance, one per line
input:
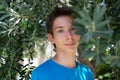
<point x="58" y="27"/>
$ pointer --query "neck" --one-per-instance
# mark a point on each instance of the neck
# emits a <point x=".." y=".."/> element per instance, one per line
<point x="67" y="60"/>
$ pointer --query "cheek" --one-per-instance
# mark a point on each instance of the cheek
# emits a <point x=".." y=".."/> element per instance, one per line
<point x="77" y="37"/>
<point x="59" y="36"/>
<point x="58" y="39"/>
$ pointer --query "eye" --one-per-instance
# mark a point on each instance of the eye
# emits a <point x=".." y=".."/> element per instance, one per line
<point x="73" y="29"/>
<point x="60" y="31"/>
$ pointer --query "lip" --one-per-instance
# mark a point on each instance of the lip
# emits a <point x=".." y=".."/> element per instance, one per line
<point x="70" y="44"/>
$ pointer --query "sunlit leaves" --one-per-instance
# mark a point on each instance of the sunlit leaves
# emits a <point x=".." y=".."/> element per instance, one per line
<point x="92" y="25"/>
<point x="115" y="58"/>
<point x="19" y="30"/>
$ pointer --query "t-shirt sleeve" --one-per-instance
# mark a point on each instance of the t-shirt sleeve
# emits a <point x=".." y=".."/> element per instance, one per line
<point x="90" y="75"/>
<point x="34" y="75"/>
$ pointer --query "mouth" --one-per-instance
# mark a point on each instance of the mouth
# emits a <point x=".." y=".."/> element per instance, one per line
<point x="70" y="44"/>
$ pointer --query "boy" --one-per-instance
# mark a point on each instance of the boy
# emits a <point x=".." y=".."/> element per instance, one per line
<point x="63" y="66"/>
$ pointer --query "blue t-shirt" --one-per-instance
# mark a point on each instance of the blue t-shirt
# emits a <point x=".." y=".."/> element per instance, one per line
<point x="51" y="70"/>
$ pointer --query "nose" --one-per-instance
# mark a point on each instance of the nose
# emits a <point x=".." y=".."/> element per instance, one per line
<point x="69" y="35"/>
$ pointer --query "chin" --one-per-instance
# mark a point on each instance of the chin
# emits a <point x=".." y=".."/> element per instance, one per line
<point x="71" y="50"/>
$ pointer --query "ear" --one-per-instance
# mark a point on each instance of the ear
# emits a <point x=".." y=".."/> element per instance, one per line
<point x="50" y="38"/>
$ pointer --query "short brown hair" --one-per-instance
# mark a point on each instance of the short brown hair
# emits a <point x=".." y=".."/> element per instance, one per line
<point x="58" y="11"/>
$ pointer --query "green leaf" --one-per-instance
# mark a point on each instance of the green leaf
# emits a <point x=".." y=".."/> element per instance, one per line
<point x="80" y="30"/>
<point x="102" y="24"/>
<point x="86" y="37"/>
<point x="115" y="62"/>
<point x="117" y="48"/>
<point x="17" y="22"/>
<point x="76" y="13"/>
<point x="103" y="34"/>
<point x="3" y="32"/>
<point x="98" y="13"/>
<point x="86" y="17"/>
<point x="99" y="59"/>
<point x="4" y="17"/>
<point x="3" y="12"/>
<point x="4" y="4"/>
<point x="80" y="22"/>
<point x="88" y="54"/>
<point x="3" y="25"/>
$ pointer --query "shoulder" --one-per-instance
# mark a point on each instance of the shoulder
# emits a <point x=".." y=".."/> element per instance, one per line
<point x="39" y="71"/>
<point x="42" y="67"/>
<point x="85" y="69"/>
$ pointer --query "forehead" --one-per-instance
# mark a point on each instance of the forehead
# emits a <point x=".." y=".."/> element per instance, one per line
<point x="62" y="21"/>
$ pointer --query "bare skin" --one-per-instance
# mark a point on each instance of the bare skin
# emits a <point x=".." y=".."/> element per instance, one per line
<point x="66" y="41"/>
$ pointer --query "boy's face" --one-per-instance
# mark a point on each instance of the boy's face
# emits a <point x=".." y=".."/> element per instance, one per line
<point x="64" y="36"/>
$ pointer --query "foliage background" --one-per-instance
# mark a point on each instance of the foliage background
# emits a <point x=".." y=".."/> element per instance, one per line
<point x="22" y="24"/>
